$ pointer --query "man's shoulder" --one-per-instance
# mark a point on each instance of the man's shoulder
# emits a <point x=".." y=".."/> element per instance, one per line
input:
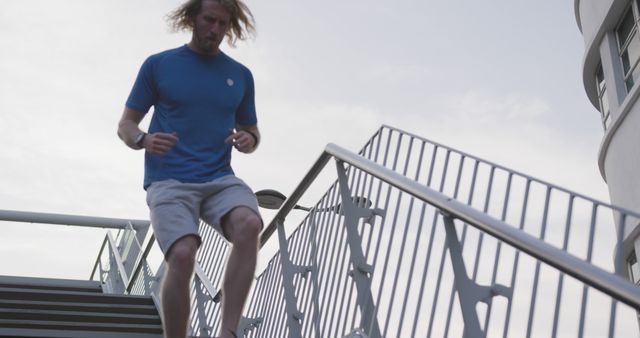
<point x="235" y="63"/>
<point x="166" y="53"/>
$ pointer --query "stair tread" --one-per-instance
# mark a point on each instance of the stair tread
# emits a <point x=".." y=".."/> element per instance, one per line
<point x="100" y="317"/>
<point x="69" y="325"/>
<point x="50" y="283"/>
<point x="52" y="333"/>
<point x="122" y="308"/>
<point x="18" y="293"/>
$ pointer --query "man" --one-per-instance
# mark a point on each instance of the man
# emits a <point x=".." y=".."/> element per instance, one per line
<point x="203" y="107"/>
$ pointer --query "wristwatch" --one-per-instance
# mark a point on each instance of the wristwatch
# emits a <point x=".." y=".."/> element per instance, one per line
<point x="139" y="139"/>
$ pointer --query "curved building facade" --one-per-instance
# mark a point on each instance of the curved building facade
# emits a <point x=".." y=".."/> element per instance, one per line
<point x="611" y="76"/>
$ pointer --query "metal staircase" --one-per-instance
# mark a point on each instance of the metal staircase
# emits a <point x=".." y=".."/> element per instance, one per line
<point x="414" y="239"/>
<point x="38" y="307"/>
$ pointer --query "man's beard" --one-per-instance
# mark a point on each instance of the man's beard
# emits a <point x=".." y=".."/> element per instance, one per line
<point x="206" y="45"/>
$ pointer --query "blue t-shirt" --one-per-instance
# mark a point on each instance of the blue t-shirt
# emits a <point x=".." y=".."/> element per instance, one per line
<point x="200" y="98"/>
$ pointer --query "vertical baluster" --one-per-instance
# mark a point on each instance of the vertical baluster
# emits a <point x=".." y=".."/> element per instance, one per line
<point x="429" y="248"/>
<point x="583" y="305"/>
<point x="618" y="266"/>
<point x="339" y="259"/>
<point x="444" y="248"/>
<point x="516" y="260"/>
<point x="331" y="239"/>
<point x="536" y="277"/>
<point x="496" y="258"/>
<point x="314" y="276"/>
<point x="405" y="232"/>
<point x="386" y="206"/>
<point x="414" y="254"/>
<point x="274" y="310"/>
<point x="565" y="245"/>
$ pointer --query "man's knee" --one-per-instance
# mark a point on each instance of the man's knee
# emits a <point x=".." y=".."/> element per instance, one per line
<point x="243" y="226"/>
<point x="182" y="254"/>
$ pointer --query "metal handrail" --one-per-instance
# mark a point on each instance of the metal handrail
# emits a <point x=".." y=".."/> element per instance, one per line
<point x="83" y="221"/>
<point x="612" y="285"/>
<point x="600" y="279"/>
<point x="71" y="220"/>
<point x="293" y="199"/>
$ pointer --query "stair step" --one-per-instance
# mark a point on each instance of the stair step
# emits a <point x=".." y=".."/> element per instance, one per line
<point x="41" y="307"/>
<point x="39" y="333"/>
<point x="85" y="307"/>
<point x="72" y="296"/>
<point x="73" y="316"/>
<point x="75" y="326"/>
<point x="50" y="284"/>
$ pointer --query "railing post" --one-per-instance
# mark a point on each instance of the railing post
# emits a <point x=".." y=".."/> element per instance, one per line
<point x="294" y="316"/>
<point x="469" y="292"/>
<point x="362" y="271"/>
<point x="203" y="328"/>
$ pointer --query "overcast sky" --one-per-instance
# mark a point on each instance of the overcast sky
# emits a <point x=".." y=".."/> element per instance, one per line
<point x="500" y="79"/>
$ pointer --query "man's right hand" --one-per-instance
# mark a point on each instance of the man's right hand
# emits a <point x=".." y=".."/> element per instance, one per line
<point x="159" y="143"/>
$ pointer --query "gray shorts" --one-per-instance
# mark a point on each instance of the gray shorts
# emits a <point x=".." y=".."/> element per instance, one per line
<point x="176" y="207"/>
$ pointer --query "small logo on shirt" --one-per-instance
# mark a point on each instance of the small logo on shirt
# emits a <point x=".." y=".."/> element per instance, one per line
<point x="230" y="82"/>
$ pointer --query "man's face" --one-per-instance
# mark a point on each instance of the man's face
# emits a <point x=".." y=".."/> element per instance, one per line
<point x="210" y="26"/>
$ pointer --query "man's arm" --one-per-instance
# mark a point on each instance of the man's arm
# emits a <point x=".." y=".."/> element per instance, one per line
<point x="128" y="130"/>
<point x="245" y="138"/>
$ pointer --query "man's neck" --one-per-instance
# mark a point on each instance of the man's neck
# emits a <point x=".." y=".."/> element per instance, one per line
<point x="194" y="47"/>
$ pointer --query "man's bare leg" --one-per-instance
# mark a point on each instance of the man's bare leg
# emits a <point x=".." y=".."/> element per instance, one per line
<point x="175" y="287"/>
<point x="242" y="226"/>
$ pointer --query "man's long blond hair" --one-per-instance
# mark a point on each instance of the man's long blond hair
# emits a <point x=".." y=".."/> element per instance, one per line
<point x="242" y="24"/>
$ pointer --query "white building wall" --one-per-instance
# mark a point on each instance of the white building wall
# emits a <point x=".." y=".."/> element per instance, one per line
<point x="591" y="16"/>
<point x="622" y="163"/>
<point x="619" y="157"/>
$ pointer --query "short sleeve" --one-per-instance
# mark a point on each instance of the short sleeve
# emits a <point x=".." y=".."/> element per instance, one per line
<point x="246" y="113"/>
<point x="144" y="92"/>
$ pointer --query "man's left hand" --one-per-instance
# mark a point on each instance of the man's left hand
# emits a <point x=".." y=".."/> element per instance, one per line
<point x="241" y="140"/>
